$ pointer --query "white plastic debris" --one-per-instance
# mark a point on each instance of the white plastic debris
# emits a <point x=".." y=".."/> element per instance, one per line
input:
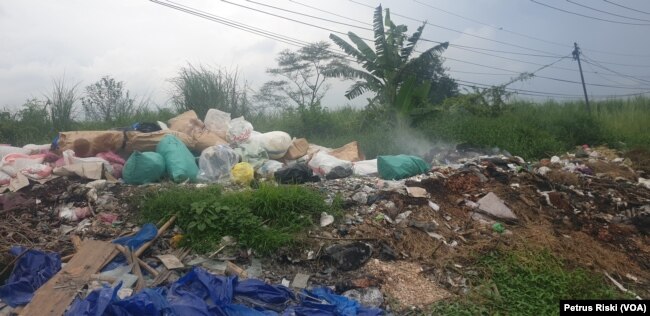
<point x="555" y="159"/>
<point x="401" y="217"/>
<point x="434" y="206"/>
<point x="543" y="170"/>
<point x="326" y="219"/>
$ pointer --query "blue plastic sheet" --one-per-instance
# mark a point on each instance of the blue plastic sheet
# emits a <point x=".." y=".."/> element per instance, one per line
<point x="204" y="294"/>
<point x="329" y="303"/>
<point x="146" y="233"/>
<point x="31" y="271"/>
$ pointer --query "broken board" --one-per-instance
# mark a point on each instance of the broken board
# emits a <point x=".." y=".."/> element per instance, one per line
<point x="56" y="295"/>
<point x="170" y="261"/>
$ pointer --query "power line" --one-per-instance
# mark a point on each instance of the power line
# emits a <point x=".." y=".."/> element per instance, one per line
<point x="548" y="54"/>
<point x="542" y="93"/>
<point x="364" y="38"/>
<point x="587" y="16"/>
<point x="425" y="39"/>
<point x="328" y="12"/>
<point x="286" y="39"/>
<point x="601" y="75"/>
<point x="479" y="73"/>
<point x="606" y="12"/>
<point x="311" y="16"/>
<point x="622" y="6"/>
<point x="461" y="32"/>
<point x="498" y="28"/>
<point x="369" y="40"/>
<point x="465" y="47"/>
<point x="227" y="22"/>
<point x="597" y="64"/>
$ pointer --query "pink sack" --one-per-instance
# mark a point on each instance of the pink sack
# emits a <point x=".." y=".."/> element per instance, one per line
<point x="111" y="157"/>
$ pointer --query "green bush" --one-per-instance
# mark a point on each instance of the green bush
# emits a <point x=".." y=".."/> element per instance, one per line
<point x="264" y="219"/>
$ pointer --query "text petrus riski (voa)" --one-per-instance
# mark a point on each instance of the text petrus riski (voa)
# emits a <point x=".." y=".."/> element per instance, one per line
<point x="619" y="308"/>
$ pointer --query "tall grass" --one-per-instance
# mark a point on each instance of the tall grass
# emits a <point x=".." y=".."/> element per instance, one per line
<point x="61" y="101"/>
<point x="202" y="88"/>
<point x="530" y="130"/>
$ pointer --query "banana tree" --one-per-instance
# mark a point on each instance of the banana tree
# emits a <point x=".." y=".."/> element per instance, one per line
<point x="390" y="70"/>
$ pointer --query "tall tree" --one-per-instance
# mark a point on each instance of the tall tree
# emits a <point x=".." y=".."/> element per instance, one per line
<point x="106" y="100"/>
<point x="303" y="82"/>
<point x="399" y="79"/>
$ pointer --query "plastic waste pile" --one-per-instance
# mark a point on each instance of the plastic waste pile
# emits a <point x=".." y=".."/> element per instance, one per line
<point x="186" y="149"/>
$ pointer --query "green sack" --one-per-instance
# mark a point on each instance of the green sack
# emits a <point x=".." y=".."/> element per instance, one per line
<point x="400" y="166"/>
<point x="179" y="161"/>
<point x="143" y="168"/>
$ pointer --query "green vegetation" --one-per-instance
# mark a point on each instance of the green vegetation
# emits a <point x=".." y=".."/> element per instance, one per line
<point x="107" y="101"/>
<point x="302" y="78"/>
<point x="202" y="88"/>
<point x="402" y="82"/>
<point x="526" y="129"/>
<point x="264" y="219"/>
<point x="525" y="283"/>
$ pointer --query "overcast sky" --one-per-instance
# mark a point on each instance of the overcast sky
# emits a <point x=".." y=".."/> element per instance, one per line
<point x="144" y="44"/>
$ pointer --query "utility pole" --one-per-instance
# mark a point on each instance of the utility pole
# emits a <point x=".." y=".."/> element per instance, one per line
<point x="576" y="56"/>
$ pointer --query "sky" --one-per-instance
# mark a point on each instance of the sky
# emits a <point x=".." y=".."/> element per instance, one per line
<point x="145" y="44"/>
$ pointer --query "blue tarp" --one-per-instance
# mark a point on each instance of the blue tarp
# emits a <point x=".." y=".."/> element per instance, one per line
<point x="146" y="233"/>
<point x="31" y="271"/>
<point x="202" y="293"/>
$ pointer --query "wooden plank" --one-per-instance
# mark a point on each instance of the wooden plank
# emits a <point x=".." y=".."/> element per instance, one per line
<point x="56" y="295"/>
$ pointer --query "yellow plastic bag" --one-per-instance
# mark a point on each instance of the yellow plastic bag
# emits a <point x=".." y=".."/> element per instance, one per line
<point x="242" y="173"/>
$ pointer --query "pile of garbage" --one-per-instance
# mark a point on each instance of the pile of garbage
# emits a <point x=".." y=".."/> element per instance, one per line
<point x="408" y="233"/>
<point x="228" y="151"/>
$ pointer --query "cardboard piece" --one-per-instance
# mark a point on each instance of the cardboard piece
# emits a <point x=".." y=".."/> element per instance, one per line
<point x="298" y="148"/>
<point x="54" y="297"/>
<point x="349" y="152"/>
<point x="148" y="141"/>
<point x="90" y="143"/>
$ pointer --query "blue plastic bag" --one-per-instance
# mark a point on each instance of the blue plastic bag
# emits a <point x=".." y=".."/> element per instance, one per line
<point x="32" y="270"/>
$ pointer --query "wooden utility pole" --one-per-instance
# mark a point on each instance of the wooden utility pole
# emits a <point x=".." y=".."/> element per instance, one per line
<point x="576" y="56"/>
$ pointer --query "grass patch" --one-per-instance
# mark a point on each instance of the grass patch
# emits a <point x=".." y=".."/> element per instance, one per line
<point x="526" y="283"/>
<point x="264" y="219"/>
